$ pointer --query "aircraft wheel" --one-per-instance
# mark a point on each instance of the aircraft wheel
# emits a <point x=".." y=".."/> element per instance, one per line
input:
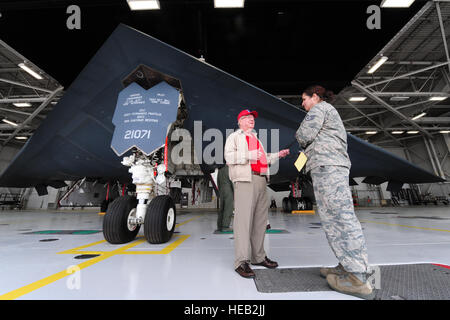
<point x="160" y="219"/>
<point x="116" y="228"/>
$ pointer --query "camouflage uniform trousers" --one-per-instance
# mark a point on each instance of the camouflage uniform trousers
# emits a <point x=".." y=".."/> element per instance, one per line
<point x="336" y="211"/>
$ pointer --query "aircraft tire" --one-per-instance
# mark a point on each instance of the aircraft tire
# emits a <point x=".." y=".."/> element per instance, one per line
<point x="115" y="221"/>
<point x="160" y="219"/>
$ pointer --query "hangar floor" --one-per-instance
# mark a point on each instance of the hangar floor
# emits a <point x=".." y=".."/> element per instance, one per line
<point x="196" y="263"/>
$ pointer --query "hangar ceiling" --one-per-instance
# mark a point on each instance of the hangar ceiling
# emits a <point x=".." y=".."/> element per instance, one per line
<point x="25" y="99"/>
<point x="414" y="82"/>
<point x="279" y="46"/>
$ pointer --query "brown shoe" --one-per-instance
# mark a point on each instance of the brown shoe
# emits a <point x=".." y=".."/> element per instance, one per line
<point x="267" y="263"/>
<point x="245" y="271"/>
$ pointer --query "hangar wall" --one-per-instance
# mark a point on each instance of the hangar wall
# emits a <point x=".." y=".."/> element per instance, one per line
<point x="7" y="154"/>
<point x="418" y="154"/>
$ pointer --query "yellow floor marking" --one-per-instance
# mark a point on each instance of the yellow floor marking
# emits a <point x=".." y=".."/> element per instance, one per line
<point x="76" y="250"/>
<point x="400" y="225"/>
<point x="103" y="256"/>
<point x="184" y="222"/>
<point x="57" y="276"/>
<point x="165" y="250"/>
<point x="303" y="212"/>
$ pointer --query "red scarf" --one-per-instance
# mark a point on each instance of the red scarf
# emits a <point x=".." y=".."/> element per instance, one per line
<point x="260" y="165"/>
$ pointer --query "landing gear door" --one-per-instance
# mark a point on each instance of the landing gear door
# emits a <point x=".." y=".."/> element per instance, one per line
<point x="142" y="117"/>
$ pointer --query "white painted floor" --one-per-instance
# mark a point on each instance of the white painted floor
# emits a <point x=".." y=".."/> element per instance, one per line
<point x="196" y="264"/>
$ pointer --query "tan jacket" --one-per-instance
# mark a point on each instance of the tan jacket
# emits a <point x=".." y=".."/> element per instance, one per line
<point x="237" y="157"/>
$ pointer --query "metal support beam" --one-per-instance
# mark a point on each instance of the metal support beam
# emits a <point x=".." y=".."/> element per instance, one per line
<point x="385" y="111"/>
<point x="16" y="111"/>
<point x="34" y="114"/>
<point x="406" y="75"/>
<point x="413" y="136"/>
<point x="376" y="124"/>
<point x="430" y="156"/>
<point x="16" y="100"/>
<point x="428" y="120"/>
<point x="444" y="38"/>
<point x="360" y="128"/>
<point x="410" y="94"/>
<point x="390" y="108"/>
<point x="436" y="159"/>
<point x="25" y="85"/>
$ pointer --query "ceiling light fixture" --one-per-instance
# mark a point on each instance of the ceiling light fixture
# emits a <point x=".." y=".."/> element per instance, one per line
<point x="21" y="138"/>
<point x="357" y="99"/>
<point x="371" y="132"/>
<point x="22" y="104"/>
<point x="412" y="132"/>
<point x="419" y="116"/>
<point x="229" y="3"/>
<point x="437" y="98"/>
<point x="10" y="122"/>
<point x="397" y="132"/>
<point x="32" y="72"/>
<point x="375" y="67"/>
<point x="143" y="4"/>
<point x="444" y="131"/>
<point x="396" y="3"/>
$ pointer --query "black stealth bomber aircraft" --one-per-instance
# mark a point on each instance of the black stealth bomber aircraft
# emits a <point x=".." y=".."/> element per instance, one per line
<point x="75" y="141"/>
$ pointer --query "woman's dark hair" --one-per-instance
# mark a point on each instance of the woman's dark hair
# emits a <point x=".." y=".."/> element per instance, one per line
<point x="325" y="95"/>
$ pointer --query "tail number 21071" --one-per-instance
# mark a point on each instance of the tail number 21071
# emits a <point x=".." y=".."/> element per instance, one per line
<point x="137" y="134"/>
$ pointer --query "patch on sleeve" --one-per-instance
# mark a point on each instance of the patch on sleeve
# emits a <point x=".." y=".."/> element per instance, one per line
<point x="309" y="117"/>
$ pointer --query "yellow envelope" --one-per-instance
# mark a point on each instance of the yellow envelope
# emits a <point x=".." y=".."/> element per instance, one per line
<point x="300" y="162"/>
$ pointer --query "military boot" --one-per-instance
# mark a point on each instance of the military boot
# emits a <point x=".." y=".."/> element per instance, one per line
<point x="338" y="270"/>
<point x="351" y="285"/>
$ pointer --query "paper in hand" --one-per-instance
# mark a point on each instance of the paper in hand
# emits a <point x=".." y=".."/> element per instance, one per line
<point x="300" y="162"/>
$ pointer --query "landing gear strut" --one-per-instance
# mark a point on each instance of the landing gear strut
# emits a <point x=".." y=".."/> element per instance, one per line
<point x="126" y="214"/>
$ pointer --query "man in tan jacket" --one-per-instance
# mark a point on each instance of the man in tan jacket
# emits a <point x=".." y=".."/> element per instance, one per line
<point x="248" y="170"/>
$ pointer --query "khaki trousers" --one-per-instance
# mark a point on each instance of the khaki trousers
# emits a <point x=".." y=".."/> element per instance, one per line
<point x="251" y="206"/>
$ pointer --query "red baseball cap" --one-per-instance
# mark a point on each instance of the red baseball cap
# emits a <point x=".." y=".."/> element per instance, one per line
<point x="247" y="112"/>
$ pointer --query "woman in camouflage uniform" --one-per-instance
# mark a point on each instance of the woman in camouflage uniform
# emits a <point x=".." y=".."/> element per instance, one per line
<point x="323" y="136"/>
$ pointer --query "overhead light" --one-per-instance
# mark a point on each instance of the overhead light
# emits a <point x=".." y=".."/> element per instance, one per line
<point x="397" y="132"/>
<point x="371" y="132"/>
<point x="412" y="132"/>
<point x="22" y="104"/>
<point x="419" y="116"/>
<point x="10" y="122"/>
<point x="143" y="4"/>
<point x="358" y="98"/>
<point x="228" y="3"/>
<point x="444" y="131"/>
<point x="382" y="60"/>
<point x="21" y="138"/>
<point x="437" y="98"/>
<point x="33" y="73"/>
<point x="396" y="3"/>
<point x="399" y="98"/>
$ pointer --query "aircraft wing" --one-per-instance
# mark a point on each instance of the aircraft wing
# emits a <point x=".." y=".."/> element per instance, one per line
<point x="74" y="141"/>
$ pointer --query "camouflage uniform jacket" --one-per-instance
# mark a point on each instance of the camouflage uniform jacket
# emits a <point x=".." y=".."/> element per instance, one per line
<point x="323" y="135"/>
